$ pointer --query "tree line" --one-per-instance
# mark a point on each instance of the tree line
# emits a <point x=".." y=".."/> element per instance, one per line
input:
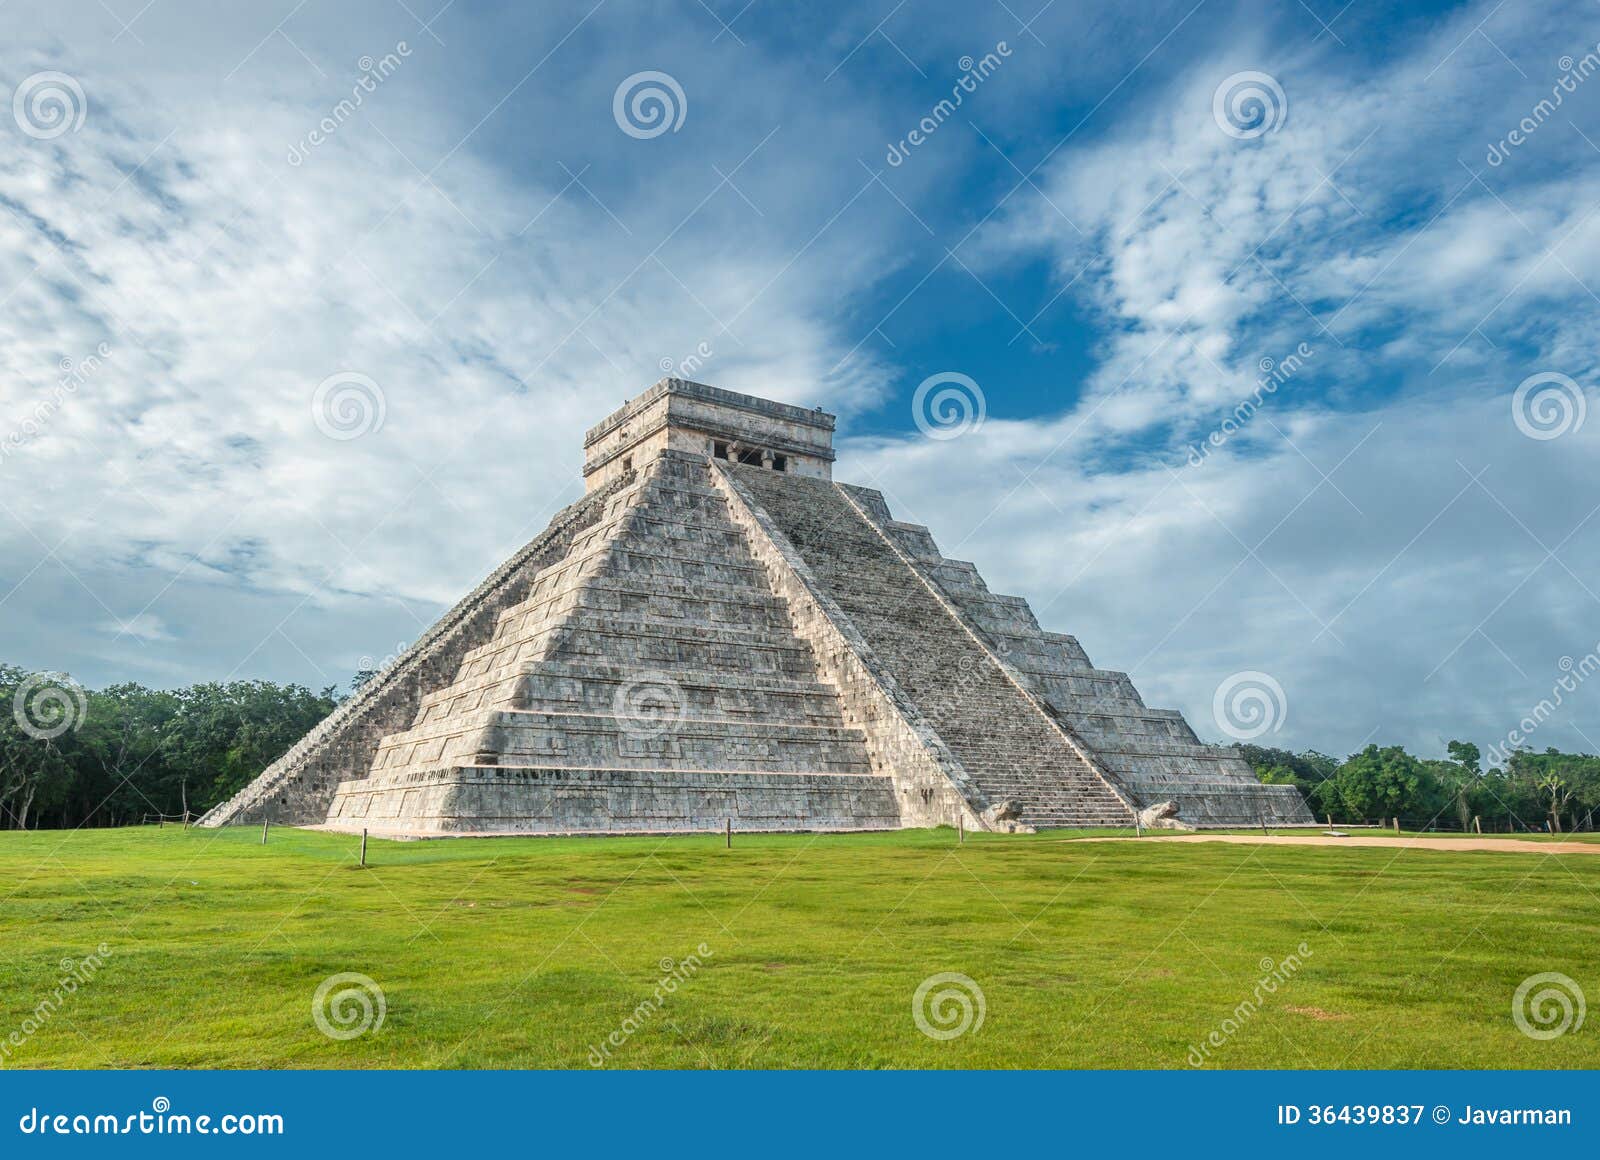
<point x="1552" y="790"/>
<point x="73" y="757"/>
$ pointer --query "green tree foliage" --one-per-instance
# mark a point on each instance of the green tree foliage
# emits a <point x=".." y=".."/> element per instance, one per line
<point x="138" y="751"/>
<point x="1562" y="789"/>
<point x="35" y="773"/>
<point x="1465" y="754"/>
<point x="1536" y="791"/>
<point x="1307" y="771"/>
<point x="1382" y="783"/>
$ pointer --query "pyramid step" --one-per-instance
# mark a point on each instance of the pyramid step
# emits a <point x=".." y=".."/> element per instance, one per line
<point x="583" y="620"/>
<point x="524" y="620"/>
<point x="528" y="637"/>
<point x="593" y="741"/>
<point x="673" y="588"/>
<point x="681" y="722"/>
<point x="596" y="590"/>
<point x="572" y="679"/>
<point x="713" y="695"/>
<point x="543" y="799"/>
<point x="558" y="768"/>
<point x="638" y="561"/>
<point x="657" y="641"/>
<point x="643" y="642"/>
<point x="678" y="551"/>
<point x="601" y="670"/>
<point x="1007" y="744"/>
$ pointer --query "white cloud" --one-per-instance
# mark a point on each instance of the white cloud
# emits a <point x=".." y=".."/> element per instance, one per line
<point x="499" y="315"/>
<point x="501" y="305"/>
<point x="1412" y="595"/>
<point x="145" y="626"/>
<point x="1398" y="600"/>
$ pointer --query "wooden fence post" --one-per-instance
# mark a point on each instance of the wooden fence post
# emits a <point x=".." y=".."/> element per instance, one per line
<point x="264" y="824"/>
<point x="363" y="847"/>
<point x="727" y="830"/>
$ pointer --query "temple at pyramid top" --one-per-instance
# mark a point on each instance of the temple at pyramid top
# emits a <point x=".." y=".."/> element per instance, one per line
<point x="705" y="420"/>
<point x="719" y="635"/>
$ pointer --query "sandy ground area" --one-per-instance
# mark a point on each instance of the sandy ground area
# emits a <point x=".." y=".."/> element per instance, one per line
<point x="1501" y="845"/>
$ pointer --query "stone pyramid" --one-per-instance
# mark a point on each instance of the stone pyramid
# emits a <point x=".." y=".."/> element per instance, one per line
<point x="718" y="634"/>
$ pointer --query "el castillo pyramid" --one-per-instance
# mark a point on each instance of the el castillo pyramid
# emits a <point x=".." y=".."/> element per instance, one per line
<point x="716" y="634"/>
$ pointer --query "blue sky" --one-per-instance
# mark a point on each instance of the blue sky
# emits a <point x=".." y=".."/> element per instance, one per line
<point x="1097" y="237"/>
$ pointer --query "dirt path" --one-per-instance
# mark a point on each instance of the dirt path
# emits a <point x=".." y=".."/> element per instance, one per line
<point x="1503" y="845"/>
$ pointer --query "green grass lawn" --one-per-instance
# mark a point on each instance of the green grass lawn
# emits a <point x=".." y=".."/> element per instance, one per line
<point x="528" y="952"/>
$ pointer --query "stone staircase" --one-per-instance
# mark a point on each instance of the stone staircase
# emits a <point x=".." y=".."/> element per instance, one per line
<point x="649" y="681"/>
<point x="718" y="631"/>
<point x="299" y="787"/>
<point x="1007" y="745"/>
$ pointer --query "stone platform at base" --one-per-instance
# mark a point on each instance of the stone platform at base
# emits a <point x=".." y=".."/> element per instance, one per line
<point x="498" y="800"/>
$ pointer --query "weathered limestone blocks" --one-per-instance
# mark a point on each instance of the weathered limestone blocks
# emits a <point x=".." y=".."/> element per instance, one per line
<point x="466" y="800"/>
<point x="704" y="421"/>
<point x="717" y="635"/>
<point x="1005" y="744"/>
<point x="932" y="786"/>
<point x="660" y="600"/>
<point x="1152" y="753"/>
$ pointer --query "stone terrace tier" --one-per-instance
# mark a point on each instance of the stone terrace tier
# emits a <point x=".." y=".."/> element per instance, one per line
<point x="1152" y="753"/>
<point x="719" y="634"/>
<point x="649" y="681"/>
<point x="1004" y="739"/>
